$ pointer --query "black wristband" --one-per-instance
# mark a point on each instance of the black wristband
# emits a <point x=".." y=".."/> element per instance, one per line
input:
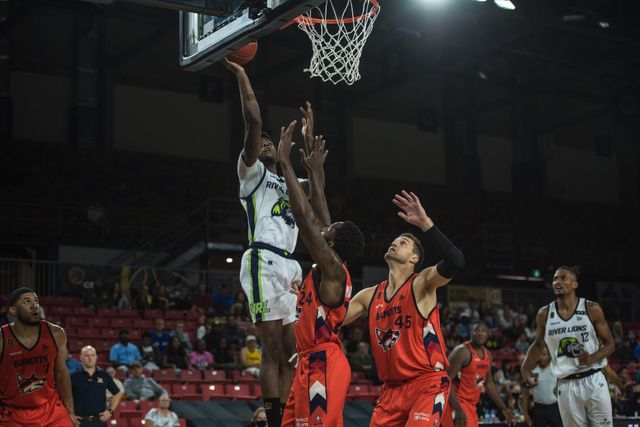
<point x="452" y="257"/>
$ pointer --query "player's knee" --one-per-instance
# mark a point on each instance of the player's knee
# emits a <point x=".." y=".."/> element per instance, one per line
<point x="272" y="350"/>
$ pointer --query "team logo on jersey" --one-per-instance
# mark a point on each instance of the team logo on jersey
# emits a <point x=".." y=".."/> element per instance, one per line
<point x="31" y="384"/>
<point x="282" y="208"/>
<point x="569" y="347"/>
<point x="386" y="339"/>
<point x="479" y="381"/>
<point x="10" y="342"/>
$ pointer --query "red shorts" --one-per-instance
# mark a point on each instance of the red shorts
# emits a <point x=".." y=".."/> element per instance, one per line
<point x="469" y="410"/>
<point x="51" y="414"/>
<point x="319" y="388"/>
<point x="419" y="402"/>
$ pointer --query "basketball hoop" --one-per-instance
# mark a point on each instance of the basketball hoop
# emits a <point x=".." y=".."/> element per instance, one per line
<point x="337" y="37"/>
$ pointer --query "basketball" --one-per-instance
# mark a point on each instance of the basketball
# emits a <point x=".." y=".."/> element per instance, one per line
<point x="244" y="54"/>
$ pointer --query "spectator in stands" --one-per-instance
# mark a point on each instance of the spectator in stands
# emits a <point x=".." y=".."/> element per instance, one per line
<point x="4" y="319"/>
<point x="625" y="352"/>
<point x="159" y="337"/>
<point x="251" y="356"/>
<point x="617" y="332"/>
<point x="140" y="387"/>
<point x="118" y="298"/>
<point x="161" y="297"/>
<point x="522" y="344"/>
<point x="506" y="316"/>
<point x="202" y="299"/>
<point x="222" y="299"/>
<point x="162" y="416"/>
<point x="361" y="360"/>
<point x="205" y="324"/>
<point x="144" y="300"/>
<point x="222" y="356"/>
<point x="240" y="308"/>
<point x="150" y="354"/>
<point x="259" y="418"/>
<point x="123" y="354"/>
<point x="200" y="358"/>
<point x="232" y="332"/>
<point x="73" y="365"/>
<point x="356" y="336"/>
<point x="182" y="335"/>
<point x="636" y="351"/>
<point x="631" y="406"/>
<point x="89" y="386"/>
<point x="175" y="355"/>
<point x="474" y="313"/>
<point x="182" y="301"/>
<point x="112" y="372"/>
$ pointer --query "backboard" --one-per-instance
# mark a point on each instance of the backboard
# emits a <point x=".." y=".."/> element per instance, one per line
<point x="206" y="39"/>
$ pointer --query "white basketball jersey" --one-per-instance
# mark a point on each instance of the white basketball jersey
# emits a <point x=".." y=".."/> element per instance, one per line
<point x="565" y="340"/>
<point x="265" y="200"/>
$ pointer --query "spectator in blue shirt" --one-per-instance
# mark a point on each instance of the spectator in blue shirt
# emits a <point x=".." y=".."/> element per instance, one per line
<point x="124" y="353"/>
<point x="159" y="337"/>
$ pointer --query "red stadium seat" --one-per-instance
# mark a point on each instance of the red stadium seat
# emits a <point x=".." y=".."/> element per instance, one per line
<point x="89" y="333"/>
<point x="70" y="301"/>
<point x="243" y="377"/>
<point x="126" y="409"/>
<point x="146" y="406"/>
<point x="145" y="324"/>
<point x="360" y="392"/>
<point x="153" y="314"/>
<point x="62" y="310"/>
<point x="183" y="422"/>
<point x="186" y="392"/>
<point x="214" y="376"/>
<point x="191" y="376"/>
<point x="166" y="375"/>
<point x="107" y="312"/>
<point x="80" y="322"/>
<point x="109" y="334"/>
<point x="83" y="311"/>
<point x="240" y="392"/>
<point x="173" y="315"/>
<point x="215" y="392"/>
<point x="128" y="313"/>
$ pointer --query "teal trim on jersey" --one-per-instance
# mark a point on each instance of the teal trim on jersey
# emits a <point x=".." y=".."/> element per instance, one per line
<point x="249" y="206"/>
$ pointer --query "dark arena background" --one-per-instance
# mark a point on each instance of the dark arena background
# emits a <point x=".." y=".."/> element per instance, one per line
<point x="516" y="122"/>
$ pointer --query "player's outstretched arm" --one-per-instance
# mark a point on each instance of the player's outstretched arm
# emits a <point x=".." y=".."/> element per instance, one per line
<point x="459" y="357"/>
<point x="430" y="278"/>
<point x="333" y="275"/>
<point x="524" y="406"/>
<point x="359" y="305"/>
<point x="314" y="162"/>
<point x="61" y="373"/>
<point x="250" y="113"/>
<point x="492" y="392"/>
<point x="535" y="351"/>
<point x="607" y="343"/>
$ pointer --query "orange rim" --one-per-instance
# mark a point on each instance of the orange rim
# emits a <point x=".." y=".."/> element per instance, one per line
<point x="305" y="20"/>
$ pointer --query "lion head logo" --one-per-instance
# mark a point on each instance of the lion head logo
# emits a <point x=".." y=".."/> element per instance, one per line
<point x="570" y="347"/>
<point x="282" y="208"/>
<point x="386" y="339"/>
<point x="29" y="385"/>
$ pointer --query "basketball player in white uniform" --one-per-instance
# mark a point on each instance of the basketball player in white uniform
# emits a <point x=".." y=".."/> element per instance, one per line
<point x="268" y="271"/>
<point x="579" y="341"/>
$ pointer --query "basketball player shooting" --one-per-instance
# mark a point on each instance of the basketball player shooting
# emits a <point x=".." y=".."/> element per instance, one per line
<point x="404" y="324"/>
<point x="579" y="341"/>
<point x="267" y="268"/>
<point x="35" y="388"/>
<point x="470" y="372"/>
<point x="323" y="374"/>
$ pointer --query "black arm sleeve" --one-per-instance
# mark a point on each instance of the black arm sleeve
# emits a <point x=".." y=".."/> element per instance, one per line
<point x="453" y="259"/>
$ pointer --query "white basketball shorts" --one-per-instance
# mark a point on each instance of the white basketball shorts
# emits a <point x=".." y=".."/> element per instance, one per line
<point x="585" y="402"/>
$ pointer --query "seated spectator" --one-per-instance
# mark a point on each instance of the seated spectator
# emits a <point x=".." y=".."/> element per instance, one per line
<point x="251" y="357"/>
<point x="235" y="336"/>
<point x="201" y="299"/>
<point x="139" y="387"/>
<point x="112" y="371"/>
<point x="223" y="356"/>
<point x="124" y="353"/>
<point x="162" y="416"/>
<point x="200" y="358"/>
<point x="182" y="301"/>
<point x="144" y="300"/>
<point x="161" y="297"/>
<point x="159" y="337"/>
<point x="361" y="360"/>
<point x="259" y="418"/>
<point x="356" y="336"/>
<point x="175" y="356"/>
<point x="222" y="299"/>
<point x="182" y="335"/>
<point x="240" y="308"/>
<point x="205" y="324"/>
<point x="119" y="299"/>
<point x="522" y="344"/>
<point x="150" y="354"/>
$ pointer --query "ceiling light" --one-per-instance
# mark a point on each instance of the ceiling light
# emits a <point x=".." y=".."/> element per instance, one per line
<point x="505" y="4"/>
<point x="229" y="260"/>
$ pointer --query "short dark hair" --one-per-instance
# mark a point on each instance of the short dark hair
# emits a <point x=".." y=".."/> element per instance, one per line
<point x="479" y="323"/>
<point x="266" y="135"/>
<point x="15" y="295"/>
<point x="349" y="242"/>
<point x="418" y="249"/>
<point x="122" y="332"/>
<point x="145" y="334"/>
<point x="575" y="269"/>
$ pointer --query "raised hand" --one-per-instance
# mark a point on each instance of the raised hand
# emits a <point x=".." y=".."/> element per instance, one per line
<point x="286" y="144"/>
<point x="529" y="380"/>
<point x="232" y="66"/>
<point x="584" y="358"/>
<point x="411" y="210"/>
<point x="314" y="160"/>
<point x="307" y="126"/>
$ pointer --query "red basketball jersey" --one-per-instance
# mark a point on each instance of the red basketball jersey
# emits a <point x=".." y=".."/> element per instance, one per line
<point x="470" y="382"/>
<point x="317" y="323"/>
<point x="27" y="373"/>
<point x="405" y="345"/>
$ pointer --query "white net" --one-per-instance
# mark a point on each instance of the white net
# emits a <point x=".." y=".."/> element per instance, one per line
<point x="338" y="35"/>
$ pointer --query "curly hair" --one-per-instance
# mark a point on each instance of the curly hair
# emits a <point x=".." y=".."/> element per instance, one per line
<point x="575" y="269"/>
<point x="349" y="242"/>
